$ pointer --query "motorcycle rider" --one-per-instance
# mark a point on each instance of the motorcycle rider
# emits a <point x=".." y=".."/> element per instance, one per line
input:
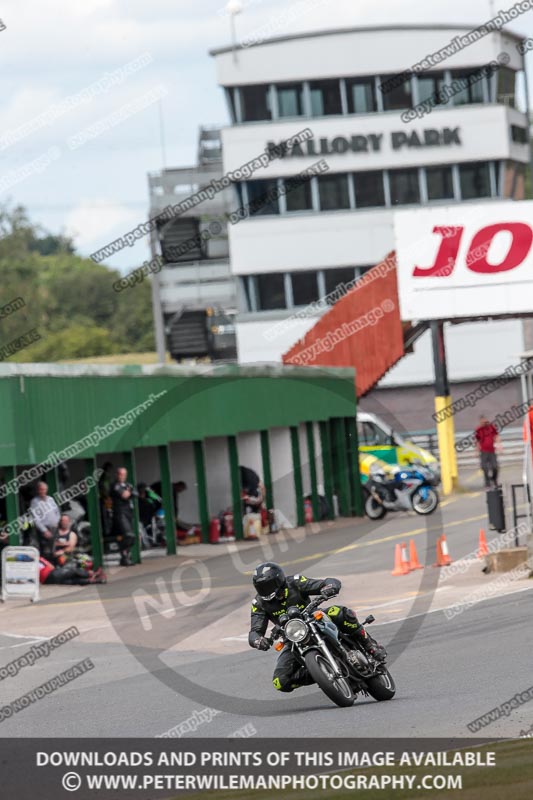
<point x="386" y="481"/>
<point x="276" y="592"/>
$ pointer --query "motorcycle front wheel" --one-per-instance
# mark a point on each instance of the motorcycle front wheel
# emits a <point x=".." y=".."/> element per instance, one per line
<point x="382" y="686"/>
<point x="427" y="504"/>
<point x="373" y="509"/>
<point x="337" y="689"/>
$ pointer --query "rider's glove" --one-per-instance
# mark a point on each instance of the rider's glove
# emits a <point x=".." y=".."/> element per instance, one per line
<point x="328" y="591"/>
<point x="261" y="643"/>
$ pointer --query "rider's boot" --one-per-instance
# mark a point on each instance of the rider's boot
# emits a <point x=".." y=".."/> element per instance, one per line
<point x="348" y="623"/>
<point x="369" y="644"/>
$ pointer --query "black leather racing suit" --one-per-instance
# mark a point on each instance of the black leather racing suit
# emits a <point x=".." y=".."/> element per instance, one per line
<point x="289" y="674"/>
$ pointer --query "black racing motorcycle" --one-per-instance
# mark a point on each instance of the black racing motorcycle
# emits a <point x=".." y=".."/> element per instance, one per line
<point x="339" y="665"/>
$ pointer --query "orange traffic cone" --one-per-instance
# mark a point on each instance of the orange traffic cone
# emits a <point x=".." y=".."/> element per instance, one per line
<point x="445" y="552"/>
<point x="443" y="555"/>
<point x="405" y="559"/>
<point x="438" y="562"/>
<point x="483" y="549"/>
<point x="399" y="567"/>
<point x="414" y="563"/>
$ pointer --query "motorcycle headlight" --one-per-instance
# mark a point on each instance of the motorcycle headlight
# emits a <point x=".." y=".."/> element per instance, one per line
<point x="296" y="630"/>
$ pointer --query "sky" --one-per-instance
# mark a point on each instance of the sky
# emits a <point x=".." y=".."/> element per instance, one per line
<point x="94" y="187"/>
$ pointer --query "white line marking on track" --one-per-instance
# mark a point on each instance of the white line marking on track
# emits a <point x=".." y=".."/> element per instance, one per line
<point x="29" y="639"/>
<point x="242" y="638"/>
<point x="21" y="644"/>
<point x="23" y="636"/>
<point x="400" y="600"/>
<point x="434" y="610"/>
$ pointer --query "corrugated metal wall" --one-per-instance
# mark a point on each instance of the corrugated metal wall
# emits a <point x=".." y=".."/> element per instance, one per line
<point x="46" y="413"/>
<point x="362" y="330"/>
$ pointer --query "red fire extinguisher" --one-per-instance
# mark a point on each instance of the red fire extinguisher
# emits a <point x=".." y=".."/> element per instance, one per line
<point x="229" y="529"/>
<point x="308" y="511"/>
<point x="214" y="531"/>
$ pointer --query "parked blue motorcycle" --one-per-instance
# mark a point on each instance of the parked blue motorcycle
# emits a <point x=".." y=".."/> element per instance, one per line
<point x="412" y="488"/>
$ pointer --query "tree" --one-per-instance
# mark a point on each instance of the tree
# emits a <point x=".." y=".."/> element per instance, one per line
<point x="19" y="236"/>
<point x="69" y="299"/>
<point x="75" y="341"/>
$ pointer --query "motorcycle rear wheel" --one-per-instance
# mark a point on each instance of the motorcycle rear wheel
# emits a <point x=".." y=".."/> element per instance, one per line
<point x="337" y="689"/>
<point x="373" y="509"/>
<point x="428" y="505"/>
<point x="382" y="686"/>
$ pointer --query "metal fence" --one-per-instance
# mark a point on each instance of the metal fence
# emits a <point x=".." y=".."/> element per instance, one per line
<point x="511" y="438"/>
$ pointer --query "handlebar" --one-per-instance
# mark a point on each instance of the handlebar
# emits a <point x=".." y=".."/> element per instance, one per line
<point x="315" y="603"/>
<point x="276" y="630"/>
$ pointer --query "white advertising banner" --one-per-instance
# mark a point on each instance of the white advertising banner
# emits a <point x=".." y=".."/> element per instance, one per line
<point x="465" y="260"/>
<point x="20" y="572"/>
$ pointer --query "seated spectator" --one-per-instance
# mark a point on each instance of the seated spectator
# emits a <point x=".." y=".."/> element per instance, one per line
<point x="65" y="541"/>
<point x="252" y="490"/>
<point x="177" y="488"/>
<point x="45" y="513"/>
<point x="72" y="574"/>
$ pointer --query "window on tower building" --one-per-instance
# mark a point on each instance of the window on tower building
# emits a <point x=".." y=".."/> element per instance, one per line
<point x="505" y="86"/>
<point x="439" y="183"/>
<point x="369" y="189"/>
<point x="255" y="103"/>
<point x="475" y="180"/>
<point x="325" y="98"/>
<point x="337" y="278"/>
<point x="270" y="291"/>
<point x="399" y="97"/>
<point x="471" y="87"/>
<point x="333" y="192"/>
<point x="263" y="197"/>
<point x="404" y="187"/>
<point x="304" y="287"/>
<point x="290" y="99"/>
<point x="361" y="95"/>
<point x="429" y="86"/>
<point x="298" y="194"/>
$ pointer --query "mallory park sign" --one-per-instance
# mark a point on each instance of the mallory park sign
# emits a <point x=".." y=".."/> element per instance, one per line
<point x="371" y="143"/>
